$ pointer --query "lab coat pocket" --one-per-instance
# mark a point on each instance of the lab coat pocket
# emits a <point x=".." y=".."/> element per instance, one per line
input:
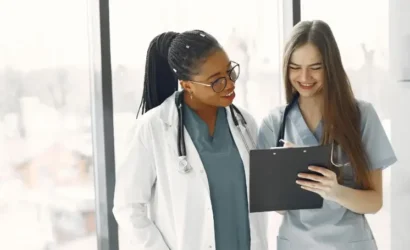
<point x="363" y="245"/>
<point x="282" y="244"/>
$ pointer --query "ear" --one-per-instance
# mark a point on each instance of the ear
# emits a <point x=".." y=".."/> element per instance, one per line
<point x="186" y="85"/>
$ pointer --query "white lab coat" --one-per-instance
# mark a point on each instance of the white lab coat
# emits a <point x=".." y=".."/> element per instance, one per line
<point x="179" y="205"/>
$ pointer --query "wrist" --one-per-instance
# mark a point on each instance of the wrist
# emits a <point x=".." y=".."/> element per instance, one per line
<point x="340" y="193"/>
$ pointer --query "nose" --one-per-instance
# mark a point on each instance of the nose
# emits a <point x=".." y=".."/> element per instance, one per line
<point x="304" y="75"/>
<point x="230" y="84"/>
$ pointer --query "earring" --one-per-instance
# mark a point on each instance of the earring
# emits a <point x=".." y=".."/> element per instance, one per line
<point x="190" y="94"/>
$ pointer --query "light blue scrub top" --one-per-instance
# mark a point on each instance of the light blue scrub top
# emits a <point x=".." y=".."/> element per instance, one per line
<point x="333" y="227"/>
<point x="226" y="177"/>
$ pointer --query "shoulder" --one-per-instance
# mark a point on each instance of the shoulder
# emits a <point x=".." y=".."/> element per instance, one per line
<point x="146" y="120"/>
<point x="158" y="115"/>
<point x="376" y="141"/>
<point x="143" y="125"/>
<point x="269" y="127"/>
<point x="364" y="106"/>
<point x="273" y="119"/>
<point x="368" y="114"/>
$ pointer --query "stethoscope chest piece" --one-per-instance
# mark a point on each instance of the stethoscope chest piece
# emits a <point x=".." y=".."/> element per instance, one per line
<point x="183" y="166"/>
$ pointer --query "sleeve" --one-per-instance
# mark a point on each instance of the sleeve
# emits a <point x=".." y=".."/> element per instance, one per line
<point x="135" y="178"/>
<point x="376" y="143"/>
<point x="267" y="135"/>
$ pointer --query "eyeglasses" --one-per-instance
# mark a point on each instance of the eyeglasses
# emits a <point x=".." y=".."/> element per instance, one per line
<point x="220" y="84"/>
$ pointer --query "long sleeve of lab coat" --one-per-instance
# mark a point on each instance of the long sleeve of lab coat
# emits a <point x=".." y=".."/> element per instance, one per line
<point x="135" y="177"/>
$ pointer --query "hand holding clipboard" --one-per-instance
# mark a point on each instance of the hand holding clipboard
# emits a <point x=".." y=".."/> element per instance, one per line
<point x="324" y="182"/>
<point x="277" y="175"/>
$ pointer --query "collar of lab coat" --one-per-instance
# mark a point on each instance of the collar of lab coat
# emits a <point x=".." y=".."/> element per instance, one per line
<point x="169" y="112"/>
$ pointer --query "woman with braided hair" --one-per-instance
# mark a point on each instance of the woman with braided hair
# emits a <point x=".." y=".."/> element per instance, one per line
<point x="188" y="162"/>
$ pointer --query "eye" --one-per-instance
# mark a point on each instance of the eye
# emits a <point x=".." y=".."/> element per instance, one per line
<point x="294" y="67"/>
<point x="316" y="68"/>
<point x="217" y="81"/>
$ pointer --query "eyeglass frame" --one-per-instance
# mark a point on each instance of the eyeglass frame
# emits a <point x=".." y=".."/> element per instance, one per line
<point x="223" y="77"/>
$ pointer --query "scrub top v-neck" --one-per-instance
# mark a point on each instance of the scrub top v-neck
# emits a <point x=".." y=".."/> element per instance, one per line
<point x="226" y="177"/>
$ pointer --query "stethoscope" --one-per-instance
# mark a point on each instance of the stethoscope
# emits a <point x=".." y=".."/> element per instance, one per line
<point x="281" y="134"/>
<point x="184" y="167"/>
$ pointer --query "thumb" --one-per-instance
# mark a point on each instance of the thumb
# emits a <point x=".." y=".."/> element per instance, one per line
<point x="287" y="144"/>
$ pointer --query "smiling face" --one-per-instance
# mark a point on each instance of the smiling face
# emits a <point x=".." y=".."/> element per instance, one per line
<point x="306" y="71"/>
<point x="214" y="84"/>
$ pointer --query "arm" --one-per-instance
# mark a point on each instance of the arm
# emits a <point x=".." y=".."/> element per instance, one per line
<point x="380" y="154"/>
<point x="359" y="201"/>
<point x="363" y="201"/>
<point x="135" y="178"/>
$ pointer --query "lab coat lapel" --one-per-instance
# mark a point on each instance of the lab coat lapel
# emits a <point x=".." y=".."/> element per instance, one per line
<point x="297" y="130"/>
<point x="170" y="117"/>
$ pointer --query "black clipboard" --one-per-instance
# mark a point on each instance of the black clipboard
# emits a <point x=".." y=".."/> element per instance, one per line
<point x="273" y="175"/>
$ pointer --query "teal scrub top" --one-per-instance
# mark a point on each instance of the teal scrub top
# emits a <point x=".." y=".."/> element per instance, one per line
<point x="333" y="227"/>
<point x="226" y="177"/>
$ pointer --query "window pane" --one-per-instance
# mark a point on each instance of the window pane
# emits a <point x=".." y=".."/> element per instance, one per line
<point x="363" y="43"/>
<point x="46" y="170"/>
<point x="248" y="30"/>
<point x="361" y="29"/>
<point x="249" y="33"/>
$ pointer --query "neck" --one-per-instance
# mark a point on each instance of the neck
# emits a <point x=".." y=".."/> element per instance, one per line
<point x="312" y="110"/>
<point x="205" y="111"/>
<point x="311" y="104"/>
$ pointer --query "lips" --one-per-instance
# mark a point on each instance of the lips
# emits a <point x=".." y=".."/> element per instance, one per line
<point x="229" y="94"/>
<point x="306" y="85"/>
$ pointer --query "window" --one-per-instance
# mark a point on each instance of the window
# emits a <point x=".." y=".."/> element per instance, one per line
<point x="249" y="33"/>
<point x="46" y="188"/>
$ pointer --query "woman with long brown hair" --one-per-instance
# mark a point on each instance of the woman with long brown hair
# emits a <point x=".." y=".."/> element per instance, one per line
<point x="323" y="110"/>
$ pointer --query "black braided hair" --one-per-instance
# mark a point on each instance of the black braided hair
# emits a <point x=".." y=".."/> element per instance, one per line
<point x="172" y="56"/>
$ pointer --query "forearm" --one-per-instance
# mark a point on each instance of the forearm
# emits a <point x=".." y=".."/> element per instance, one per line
<point x="360" y="201"/>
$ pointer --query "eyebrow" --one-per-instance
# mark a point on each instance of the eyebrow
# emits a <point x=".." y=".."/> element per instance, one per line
<point x="218" y="73"/>
<point x="310" y="65"/>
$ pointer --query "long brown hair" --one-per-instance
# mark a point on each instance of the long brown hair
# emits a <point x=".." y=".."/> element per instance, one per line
<point x="341" y="115"/>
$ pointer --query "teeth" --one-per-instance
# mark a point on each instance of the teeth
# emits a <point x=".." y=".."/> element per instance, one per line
<point x="306" y="84"/>
<point x="230" y="94"/>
